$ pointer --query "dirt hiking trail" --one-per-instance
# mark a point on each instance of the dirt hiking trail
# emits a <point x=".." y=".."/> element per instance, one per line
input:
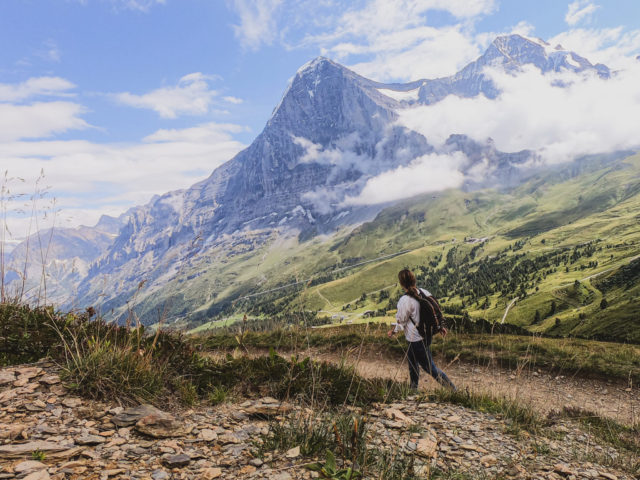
<point x="543" y="391"/>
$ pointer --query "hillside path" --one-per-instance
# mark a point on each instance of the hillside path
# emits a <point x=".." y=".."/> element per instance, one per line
<point x="541" y="390"/>
<point x="504" y="317"/>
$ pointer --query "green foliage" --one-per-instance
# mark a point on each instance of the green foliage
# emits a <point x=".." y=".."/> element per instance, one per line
<point x="38" y="455"/>
<point x="343" y="433"/>
<point x="101" y="369"/>
<point x="344" y="437"/>
<point x="626" y="277"/>
<point x="562" y="356"/>
<point x="537" y="318"/>
<point x="101" y="360"/>
<point x="25" y="335"/>
<point x="186" y="391"/>
<point x="330" y="469"/>
<point x="310" y="435"/>
<point x="303" y="379"/>
<point x="218" y="395"/>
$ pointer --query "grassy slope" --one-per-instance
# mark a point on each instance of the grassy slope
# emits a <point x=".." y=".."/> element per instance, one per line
<point x="569" y="356"/>
<point x="589" y="201"/>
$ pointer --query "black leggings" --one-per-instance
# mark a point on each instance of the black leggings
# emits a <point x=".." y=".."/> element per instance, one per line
<point x="419" y="355"/>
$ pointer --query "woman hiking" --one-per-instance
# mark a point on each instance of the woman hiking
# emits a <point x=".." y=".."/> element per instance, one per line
<point x="408" y="319"/>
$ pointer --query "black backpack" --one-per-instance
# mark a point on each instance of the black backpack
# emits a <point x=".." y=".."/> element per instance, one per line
<point x="431" y="318"/>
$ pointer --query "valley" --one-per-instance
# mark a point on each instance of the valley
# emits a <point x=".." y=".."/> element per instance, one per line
<point x="562" y="271"/>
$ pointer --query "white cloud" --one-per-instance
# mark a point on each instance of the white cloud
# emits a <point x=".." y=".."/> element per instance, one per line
<point x="580" y="10"/>
<point x="36" y="86"/>
<point x="412" y="54"/>
<point x="90" y="179"/>
<point x="139" y="5"/>
<point x="428" y="173"/>
<point x="385" y="16"/>
<point x="258" y="24"/>
<point x="385" y="39"/>
<point x="191" y="96"/>
<point x="342" y="155"/>
<point x="234" y="100"/>
<point x="590" y="115"/>
<point x="206" y="133"/>
<point x="50" y="51"/>
<point x="614" y="47"/>
<point x="38" y="120"/>
<point x="398" y="43"/>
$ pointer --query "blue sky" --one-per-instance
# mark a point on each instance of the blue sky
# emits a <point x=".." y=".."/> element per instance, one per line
<point x="118" y="100"/>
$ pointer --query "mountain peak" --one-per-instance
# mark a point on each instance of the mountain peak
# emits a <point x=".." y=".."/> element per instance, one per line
<point x="514" y="43"/>
<point x="516" y="50"/>
<point x="517" y="37"/>
<point x="318" y="78"/>
<point x="316" y="64"/>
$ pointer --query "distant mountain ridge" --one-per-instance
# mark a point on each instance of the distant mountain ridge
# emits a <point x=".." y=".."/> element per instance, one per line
<point x="64" y="254"/>
<point x="511" y="53"/>
<point x="331" y="132"/>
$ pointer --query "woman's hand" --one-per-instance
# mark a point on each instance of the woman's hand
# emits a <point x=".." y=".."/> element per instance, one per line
<point x="444" y="331"/>
<point x="390" y="333"/>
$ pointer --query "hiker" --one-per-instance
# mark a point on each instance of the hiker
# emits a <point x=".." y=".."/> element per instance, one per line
<point x="408" y="319"/>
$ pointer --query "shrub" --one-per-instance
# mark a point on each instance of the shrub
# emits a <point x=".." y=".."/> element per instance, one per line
<point x="24" y="335"/>
<point x="303" y="379"/>
<point x="343" y="439"/>
<point x="100" y="369"/>
<point x="218" y="395"/>
<point x="98" y="359"/>
<point x="101" y="360"/>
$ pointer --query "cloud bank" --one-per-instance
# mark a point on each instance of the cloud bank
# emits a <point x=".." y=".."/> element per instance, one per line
<point x="33" y="87"/>
<point x="428" y="173"/>
<point x="580" y="10"/>
<point x="92" y="179"/>
<point x="258" y="24"/>
<point x="41" y="119"/>
<point x="191" y="96"/>
<point x="590" y="115"/>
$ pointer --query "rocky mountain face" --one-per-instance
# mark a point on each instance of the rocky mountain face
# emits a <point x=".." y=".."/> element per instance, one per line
<point x="509" y="53"/>
<point x="54" y="261"/>
<point x="332" y="131"/>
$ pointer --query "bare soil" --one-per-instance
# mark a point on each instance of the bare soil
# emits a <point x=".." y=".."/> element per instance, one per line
<point x="543" y="391"/>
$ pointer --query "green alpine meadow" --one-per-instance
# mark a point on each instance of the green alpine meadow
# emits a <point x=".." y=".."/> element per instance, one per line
<point x="557" y="255"/>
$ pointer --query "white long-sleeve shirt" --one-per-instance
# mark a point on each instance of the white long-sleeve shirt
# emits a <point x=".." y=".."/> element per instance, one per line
<point x="408" y="308"/>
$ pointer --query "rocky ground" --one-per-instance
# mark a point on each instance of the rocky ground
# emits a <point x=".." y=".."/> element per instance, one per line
<point x="47" y="433"/>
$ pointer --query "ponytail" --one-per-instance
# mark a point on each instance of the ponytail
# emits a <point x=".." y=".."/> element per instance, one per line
<point x="408" y="280"/>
